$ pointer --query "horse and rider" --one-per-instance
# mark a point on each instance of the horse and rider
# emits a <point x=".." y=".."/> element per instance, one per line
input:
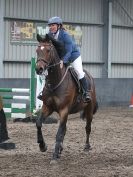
<point x="67" y="90"/>
<point x="72" y="55"/>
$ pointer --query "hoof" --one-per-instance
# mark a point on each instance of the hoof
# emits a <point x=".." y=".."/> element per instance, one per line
<point x="87" y="147"/>
<point x="43" y="147"/>
<point x="56" y="156"/>
<point x="53" y="162"/>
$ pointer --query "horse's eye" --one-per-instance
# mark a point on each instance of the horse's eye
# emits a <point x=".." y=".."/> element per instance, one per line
<point x="48" y="50"/>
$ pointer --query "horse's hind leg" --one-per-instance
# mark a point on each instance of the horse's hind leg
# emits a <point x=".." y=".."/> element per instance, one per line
<point x="89" y="116"/>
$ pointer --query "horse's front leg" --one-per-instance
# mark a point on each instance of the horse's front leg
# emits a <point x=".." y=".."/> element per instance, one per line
<point x="60" y="137"/>
<point x="40" y="139"/>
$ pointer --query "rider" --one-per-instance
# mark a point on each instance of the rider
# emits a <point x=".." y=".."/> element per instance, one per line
<point x="72" y="55"/>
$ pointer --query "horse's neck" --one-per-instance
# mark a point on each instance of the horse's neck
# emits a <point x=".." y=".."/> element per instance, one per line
<point x="54" y="75"/>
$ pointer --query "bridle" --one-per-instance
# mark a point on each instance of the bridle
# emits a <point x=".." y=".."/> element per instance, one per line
<point x="40" y="59"/>
<point x="48" y="66"/>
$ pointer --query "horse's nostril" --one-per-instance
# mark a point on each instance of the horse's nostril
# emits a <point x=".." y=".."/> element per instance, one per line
<point x="39" y="71"/>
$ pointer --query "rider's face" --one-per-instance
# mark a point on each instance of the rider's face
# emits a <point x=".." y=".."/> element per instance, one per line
<point x="53" y="28"/>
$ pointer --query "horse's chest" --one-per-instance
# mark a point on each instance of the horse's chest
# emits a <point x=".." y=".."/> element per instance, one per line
<point x="56" y="100"/>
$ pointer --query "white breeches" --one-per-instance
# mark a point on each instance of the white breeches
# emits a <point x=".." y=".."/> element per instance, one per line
<point x="77" y="65"/>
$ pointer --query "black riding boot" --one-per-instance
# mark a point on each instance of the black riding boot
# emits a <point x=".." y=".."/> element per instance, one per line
<point x="86" y="89"/>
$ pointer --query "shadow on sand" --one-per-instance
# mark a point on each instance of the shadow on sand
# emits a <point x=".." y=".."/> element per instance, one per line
<point x="7" y="146"/>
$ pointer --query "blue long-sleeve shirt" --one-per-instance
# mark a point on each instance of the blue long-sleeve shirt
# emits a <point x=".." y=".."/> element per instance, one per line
<point x="72" y="51"/>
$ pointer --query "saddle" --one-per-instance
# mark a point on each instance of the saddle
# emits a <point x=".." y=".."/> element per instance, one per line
<point x="75" y="78"/>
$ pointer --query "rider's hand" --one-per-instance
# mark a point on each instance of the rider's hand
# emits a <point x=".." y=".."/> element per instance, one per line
<point x="61" y="64"/>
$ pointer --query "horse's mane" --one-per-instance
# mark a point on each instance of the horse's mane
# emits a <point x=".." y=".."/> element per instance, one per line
<point x="57" y="44"/>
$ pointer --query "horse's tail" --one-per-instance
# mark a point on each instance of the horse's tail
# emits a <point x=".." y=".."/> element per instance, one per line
<point x="93" y="86"/>
<point x="95" y="108"/>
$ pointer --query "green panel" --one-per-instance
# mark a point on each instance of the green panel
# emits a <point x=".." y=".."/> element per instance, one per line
<point x="7" y="105"/>
<point x="7" y="97"/>
<point x="5" y="90"/>
<point x="32" y="86"/>
<point x="17" y="110"/>
<point x="8" y="115"/>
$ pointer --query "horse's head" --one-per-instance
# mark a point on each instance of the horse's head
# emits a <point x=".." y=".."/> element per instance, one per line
<point x="43" y="54"/>
<point x="49" y="52"/>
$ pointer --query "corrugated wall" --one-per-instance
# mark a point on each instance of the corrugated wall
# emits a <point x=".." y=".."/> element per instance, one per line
<point x="119" y="16"/>
<point x="86" y="12"/>
<point x="70" y="10"/>
<point x="122" y="39"/>
<point x="92" y="49"/>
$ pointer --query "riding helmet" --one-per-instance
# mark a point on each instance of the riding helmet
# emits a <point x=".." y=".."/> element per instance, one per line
<point x="55" y="20"/>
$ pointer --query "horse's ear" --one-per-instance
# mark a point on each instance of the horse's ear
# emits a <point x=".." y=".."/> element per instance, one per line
<point x="47" y="37"/>
<point x="39" y="38"/>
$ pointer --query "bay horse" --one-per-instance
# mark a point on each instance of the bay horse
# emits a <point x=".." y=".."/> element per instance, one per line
<point x="61" y="93"/>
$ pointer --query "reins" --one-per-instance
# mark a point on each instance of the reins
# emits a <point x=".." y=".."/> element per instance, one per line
<point x="52" y="89"/>
<point x="50" y="66"/>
